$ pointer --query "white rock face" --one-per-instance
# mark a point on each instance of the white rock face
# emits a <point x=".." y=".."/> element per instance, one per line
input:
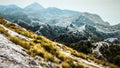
<point x="12" y="56"/>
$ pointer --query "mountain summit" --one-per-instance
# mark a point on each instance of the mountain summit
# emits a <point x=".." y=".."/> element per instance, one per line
<point x="34" y="6"/>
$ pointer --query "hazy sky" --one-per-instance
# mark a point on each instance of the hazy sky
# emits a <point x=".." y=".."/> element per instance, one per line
<point x="109" y="10"/>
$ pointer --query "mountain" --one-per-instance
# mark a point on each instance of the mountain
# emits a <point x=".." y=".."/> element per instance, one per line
<point x="13" y="12"/>
<point x="12" y="9"/>
<point x="116" y="27"/>
<point x="46" y="15"/>
<point x="82" y="31"/>
<point x="22" y="48"/>
<point x="34" y="7"/>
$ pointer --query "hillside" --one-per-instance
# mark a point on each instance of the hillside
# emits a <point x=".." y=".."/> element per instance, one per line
<point x="37" y="51"/>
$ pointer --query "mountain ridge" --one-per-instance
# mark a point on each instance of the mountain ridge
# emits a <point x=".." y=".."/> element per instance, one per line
<point x="37" y="11"/>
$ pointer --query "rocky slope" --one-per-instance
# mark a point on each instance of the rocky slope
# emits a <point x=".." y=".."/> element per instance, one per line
<point x="12" y="55"/>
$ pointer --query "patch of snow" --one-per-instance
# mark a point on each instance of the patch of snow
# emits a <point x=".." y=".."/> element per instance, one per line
<point x="37" y="32"/>
<point x="111" y="39"/>
<point x="82" y="28"/>
<point x="41" y="27"/>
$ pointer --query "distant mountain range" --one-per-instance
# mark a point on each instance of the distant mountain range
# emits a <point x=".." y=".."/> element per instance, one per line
<point x="69" y="27"/>
<point x="54" y="23"/>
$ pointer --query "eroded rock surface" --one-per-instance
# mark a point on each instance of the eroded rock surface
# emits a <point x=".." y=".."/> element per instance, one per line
<point x="12" y="56"/>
